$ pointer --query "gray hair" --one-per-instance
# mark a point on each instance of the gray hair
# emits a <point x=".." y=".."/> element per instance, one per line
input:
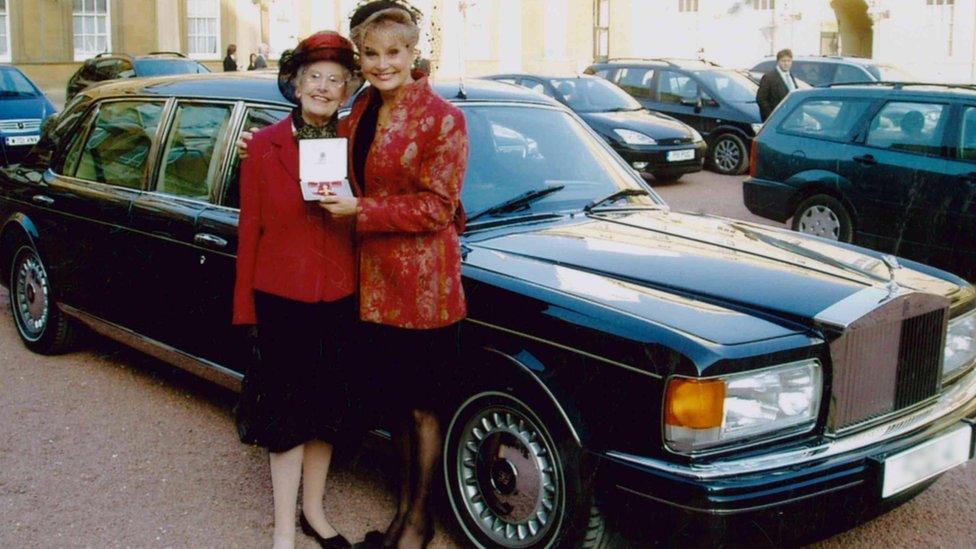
<point x="395" y="19"/>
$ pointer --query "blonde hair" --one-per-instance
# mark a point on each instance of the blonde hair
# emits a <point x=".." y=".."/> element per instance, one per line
<point x="396" y="20"/>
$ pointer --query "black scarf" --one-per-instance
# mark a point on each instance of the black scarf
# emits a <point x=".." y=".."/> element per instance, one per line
<point x="304" y="130"/>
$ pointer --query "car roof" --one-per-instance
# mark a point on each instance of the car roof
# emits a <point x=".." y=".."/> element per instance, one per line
<point x="545" y="76"/>
<point x="862" y="61"/>
<point x="899" y="89"/>
<point x="263" y="87"/>
<point x="696" y="64"/>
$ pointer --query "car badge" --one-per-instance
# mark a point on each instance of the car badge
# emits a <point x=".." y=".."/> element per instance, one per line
<point x="891" y="262"/>
<point x="20" y="125"/>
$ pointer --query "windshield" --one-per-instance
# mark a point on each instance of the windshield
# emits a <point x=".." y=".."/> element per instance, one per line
<point x="13" y="83"/>
<point x="517" y="149"/>
<point x="593" y="95"/>
<point x="159" y="67"/>
<point x="728" y="85"/>
<point x="890" y="73"/>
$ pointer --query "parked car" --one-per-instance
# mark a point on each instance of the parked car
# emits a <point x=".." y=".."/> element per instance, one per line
<point x="109" y="66"/>
<point x="719" y="103"/>
<point x="23" y="110"/>
<point x="649" y="141"/>
<point x="888" y="167"/>
<point x="618" y="357"/>
<point x="826" y="70"/>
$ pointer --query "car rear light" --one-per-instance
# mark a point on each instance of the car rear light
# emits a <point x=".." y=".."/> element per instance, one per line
<point x="753" y="157"/>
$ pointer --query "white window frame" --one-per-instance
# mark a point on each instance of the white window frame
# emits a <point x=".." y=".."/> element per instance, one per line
<point x="81" y="55"/>
<point x="687" y="6"/>
<point x="220" y="49"/>
<point x="6" y="20"/>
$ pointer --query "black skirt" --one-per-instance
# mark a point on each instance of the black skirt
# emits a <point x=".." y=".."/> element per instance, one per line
<point x="407" y="370"/>
<point x="298" y="388"/>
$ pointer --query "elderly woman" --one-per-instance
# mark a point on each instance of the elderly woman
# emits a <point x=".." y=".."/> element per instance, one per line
<point x="408" y="154"/>
<point x="296" y="277"/>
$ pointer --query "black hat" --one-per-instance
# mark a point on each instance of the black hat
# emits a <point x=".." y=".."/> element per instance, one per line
<point x="363" y="12"/>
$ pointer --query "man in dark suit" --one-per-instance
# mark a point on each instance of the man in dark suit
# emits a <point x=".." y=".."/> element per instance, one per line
<point x="776" y="84"/>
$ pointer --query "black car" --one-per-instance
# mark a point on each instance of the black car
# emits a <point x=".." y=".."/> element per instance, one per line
<point x="890" y="167"/>
<point x="826" y="70"/>
<point x="109" y="66"/>
<point x="649" y="141"/>
<point x="719" y="103"/>
<point x="626" y="369"/>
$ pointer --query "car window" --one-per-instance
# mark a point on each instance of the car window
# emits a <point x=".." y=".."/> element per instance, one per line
<point x="535" y="86"/>
<point x="118" y="145"/>
<point x="507" y="80"/>
<point x="125" y="69"/>
<point x="849" y="73"/>
<point x="190" y="167"/>
<point x="967" y="135"/>
<point x="911" y="127"/>
<point x="14" y="83"/>
<point x="765" y="66"/>
<point x="675" y="86"/>
<point x="106" y="69"/>
<point x="813" y="73"/>
<point x="728" y="85"/>
<point x="159" y="67"/>
<point x="256" y="118"/>
<point x="594" y="95"/>
<point x="825" y="118"/>
<point x="636" y="82"/>
<point x="602" y="73"/>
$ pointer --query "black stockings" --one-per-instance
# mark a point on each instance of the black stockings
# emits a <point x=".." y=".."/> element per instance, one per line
<point x="418" y="444"/>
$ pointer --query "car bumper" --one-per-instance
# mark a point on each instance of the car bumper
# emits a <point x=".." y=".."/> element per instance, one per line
<point x="804" y="477"/>
<point x="12" y="154"/>
<point x="769" y="199"/>
<point x="654" y="159"/>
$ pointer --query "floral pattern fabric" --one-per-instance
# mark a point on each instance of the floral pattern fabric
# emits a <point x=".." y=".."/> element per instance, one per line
<point x="411" y="216"/>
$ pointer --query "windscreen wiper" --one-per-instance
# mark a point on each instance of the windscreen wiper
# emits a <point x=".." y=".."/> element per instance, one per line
<point x="516" y="202"/>
<point x="614" y="197"/>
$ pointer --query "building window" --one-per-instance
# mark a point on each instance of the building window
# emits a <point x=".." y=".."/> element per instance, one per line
<point x="4" y="32"/>
<point x="940" y="2"/>
<point x="91" y="28"/>
<point x="601" y="30"/>
<point x="203" y="29"/>
<point x="764" y="4"/>
<point x="685" y="6"/>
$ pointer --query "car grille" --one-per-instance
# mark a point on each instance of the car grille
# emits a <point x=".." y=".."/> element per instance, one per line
<point x="27" y="124"/>
<point x="887" y="361"/>
<point x="676" y="141"/>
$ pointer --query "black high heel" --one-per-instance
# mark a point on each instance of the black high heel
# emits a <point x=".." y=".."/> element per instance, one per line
<point x="335" y="542"/>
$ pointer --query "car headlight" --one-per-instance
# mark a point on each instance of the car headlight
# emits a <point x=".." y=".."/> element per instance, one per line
<point x="703" y="413"/>
<point x="960" y="347"/>
<point x="631" y="137"/>
<point x="756" y="128"/>
<point x="695" y="136"/>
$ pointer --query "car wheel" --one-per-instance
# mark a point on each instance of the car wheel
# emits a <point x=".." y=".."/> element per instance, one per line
<point x="41" y="326"/>
<point x="728" y="155"/>
<point x="823" y="215"/>
<point x="516" y="477"/>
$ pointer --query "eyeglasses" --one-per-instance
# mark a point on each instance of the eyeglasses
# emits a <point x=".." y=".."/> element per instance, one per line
<point x="328" y="80"/>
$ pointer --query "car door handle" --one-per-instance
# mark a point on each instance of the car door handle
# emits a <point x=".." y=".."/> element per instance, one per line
<point x="43" y="199"/>
<point x="867" y="160"/>
<point x="207" y="239"/>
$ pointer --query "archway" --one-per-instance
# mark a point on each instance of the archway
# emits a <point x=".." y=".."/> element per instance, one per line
<point x="854" y="27"/>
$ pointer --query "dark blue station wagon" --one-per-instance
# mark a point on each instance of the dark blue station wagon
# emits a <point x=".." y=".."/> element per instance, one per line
<point x="628" y="372"/>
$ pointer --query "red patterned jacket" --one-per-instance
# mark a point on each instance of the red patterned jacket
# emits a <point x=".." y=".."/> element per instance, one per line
<point x="411" y="214"/>
<point x="286" y="246"/>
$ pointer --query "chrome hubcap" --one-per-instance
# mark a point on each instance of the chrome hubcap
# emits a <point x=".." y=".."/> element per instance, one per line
<point x="31" y="296"/>
<point x="509" y="478"/>
<point x="727" y="155"/>
<point x="820" y="221"/>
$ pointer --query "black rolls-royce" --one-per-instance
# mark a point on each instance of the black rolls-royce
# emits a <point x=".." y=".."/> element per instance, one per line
<point x="617" y="356"/>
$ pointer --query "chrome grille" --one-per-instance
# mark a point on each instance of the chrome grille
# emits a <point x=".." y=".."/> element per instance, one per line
<point x="27" y="124"/>
<point x="675" y="141"/>
<point x="887" y="360"/>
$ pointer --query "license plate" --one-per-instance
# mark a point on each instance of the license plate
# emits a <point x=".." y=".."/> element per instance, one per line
<point x="676" y="156"/>
<point x="908" y="468"/>
<point x="23" y="140"/>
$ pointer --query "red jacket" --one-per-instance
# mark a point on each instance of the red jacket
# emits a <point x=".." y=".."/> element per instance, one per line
<point x="411" y="214"/>
<point x="286" y="246"/>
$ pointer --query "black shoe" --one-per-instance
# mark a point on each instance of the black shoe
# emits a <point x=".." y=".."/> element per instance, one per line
<point x="335" y="542"/>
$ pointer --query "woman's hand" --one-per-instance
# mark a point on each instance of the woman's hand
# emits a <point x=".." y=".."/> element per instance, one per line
<point x="340" y="206"/>
<point x="246" y="135"/>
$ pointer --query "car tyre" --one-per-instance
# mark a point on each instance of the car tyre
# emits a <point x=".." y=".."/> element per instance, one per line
<point x="517" y="478"/>
<point x="825" y="216"/>
<point x="40" y="325"/>
<point x="728" y="155"/>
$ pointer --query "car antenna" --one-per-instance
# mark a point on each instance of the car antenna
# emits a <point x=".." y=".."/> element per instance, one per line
<point x="463" y="6"/>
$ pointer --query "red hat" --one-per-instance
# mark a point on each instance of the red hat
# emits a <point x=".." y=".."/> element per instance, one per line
<point x="321" y="46"/>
